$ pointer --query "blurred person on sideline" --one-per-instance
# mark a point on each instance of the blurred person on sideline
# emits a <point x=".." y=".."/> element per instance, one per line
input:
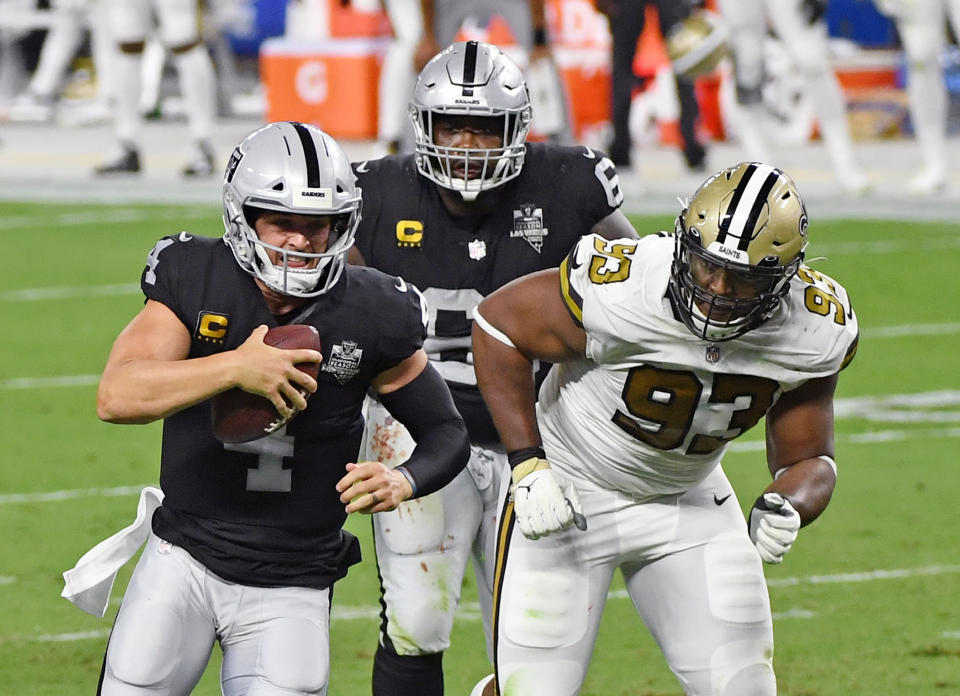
<point x="921" y="25"/>
<point x="665" y="350"/>
<point x="528" y="23"/>
<point x="397" y="76"/>
<point x="627" y="19"/>
<point x="131" y="22"/>
<point x="72" y="19"/>
<point x="245" y="541"/>
<point x="473" y="208"/>
<point x="802" y="29"/>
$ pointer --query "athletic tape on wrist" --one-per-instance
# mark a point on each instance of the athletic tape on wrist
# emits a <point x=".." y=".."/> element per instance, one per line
<point x="528" y="466"/>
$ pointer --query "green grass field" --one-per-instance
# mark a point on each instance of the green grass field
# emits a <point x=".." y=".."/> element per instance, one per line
<point x="867" y="602"/>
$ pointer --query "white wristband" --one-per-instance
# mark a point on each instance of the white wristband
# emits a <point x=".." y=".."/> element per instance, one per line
<point x="491" y="329"/>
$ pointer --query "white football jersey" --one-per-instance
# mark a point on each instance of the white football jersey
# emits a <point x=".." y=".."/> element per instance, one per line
<point x="652" y="408"/>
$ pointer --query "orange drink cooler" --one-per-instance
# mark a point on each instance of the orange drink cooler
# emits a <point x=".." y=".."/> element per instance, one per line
<point x="331" y="83"/>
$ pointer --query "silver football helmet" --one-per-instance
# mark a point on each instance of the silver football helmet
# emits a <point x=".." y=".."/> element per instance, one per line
<point x="749" y="223"/>
<point x="471" y="78"/>
<point x="293" y="168"/>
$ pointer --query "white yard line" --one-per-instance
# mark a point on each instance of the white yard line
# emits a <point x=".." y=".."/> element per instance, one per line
<point x="101" y="217"/>
<point x="46" y="382"/>
<point x="52" y="496"/>
<point x="69" y="292"/>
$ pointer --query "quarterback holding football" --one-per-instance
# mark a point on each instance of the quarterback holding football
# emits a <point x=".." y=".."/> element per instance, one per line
<point x="246" y="541"/>
<point x="666" y="349"/>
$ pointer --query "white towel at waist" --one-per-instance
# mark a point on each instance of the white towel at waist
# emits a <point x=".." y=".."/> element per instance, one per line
<point x="89" y="582"/>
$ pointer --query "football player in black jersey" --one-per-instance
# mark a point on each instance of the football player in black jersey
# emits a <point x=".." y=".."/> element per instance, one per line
<point x="248" y="540"/>
<point x="473" y="208"/>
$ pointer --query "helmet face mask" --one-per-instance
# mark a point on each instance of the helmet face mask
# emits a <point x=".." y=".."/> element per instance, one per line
<point x="737" y="245"/>
<point x="476" y="80"/>
<point x="294" y="169"/>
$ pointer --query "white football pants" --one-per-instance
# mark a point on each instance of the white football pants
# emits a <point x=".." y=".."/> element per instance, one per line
<point x="275" y="640"/>
<point x="691" y="572"/>
<point x="423" y="546"/>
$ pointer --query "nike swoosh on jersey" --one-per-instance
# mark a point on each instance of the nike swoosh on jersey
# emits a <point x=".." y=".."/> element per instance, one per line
<point x="185" y="237"/>
<point x="362" y="167"/>
<point x="589" y="154"/>
<point x="401" y="285"/>
<point x="721" y="501"/>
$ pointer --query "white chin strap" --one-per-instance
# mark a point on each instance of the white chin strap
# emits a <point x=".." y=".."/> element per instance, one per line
<point x="289" y="281"/>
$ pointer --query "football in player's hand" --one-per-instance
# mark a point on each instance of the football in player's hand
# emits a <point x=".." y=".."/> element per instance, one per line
<point x="238" y="415"/>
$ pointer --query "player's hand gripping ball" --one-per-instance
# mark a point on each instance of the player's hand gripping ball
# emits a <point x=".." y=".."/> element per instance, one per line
<point x="238" y="415"/>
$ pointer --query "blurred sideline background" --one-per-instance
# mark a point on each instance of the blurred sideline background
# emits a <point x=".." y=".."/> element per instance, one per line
<point x="319" y="60"/>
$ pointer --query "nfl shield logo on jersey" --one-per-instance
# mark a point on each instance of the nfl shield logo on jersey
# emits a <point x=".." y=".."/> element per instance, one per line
<point x="528" y="223"/>
<point x="477" y="249"/>
<point x="344" y="361"/>
<point x="713" y="353"/>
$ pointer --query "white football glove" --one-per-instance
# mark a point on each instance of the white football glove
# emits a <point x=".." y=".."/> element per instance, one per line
<point x="543" y="503"/>
<point x="774" y="525"/>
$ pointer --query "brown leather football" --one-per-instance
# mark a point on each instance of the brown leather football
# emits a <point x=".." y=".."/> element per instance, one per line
<point x="238" y="415"/>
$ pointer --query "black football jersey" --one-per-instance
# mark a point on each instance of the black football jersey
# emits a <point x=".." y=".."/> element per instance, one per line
<point x="560" y="194"/>
<point x="267" y="512"/>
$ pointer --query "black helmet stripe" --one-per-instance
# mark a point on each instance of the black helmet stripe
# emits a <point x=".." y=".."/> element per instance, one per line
<point x="469" y="68"/>
<point x="747" y="203"/>
<point x="310" y="154"/>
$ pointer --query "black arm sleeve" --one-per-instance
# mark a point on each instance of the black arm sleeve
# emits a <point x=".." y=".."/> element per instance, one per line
<point x="426" y="409"/>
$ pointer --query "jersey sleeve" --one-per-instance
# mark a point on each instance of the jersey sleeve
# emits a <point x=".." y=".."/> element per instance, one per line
<point x="403" y="322"/>
<point x="165" y="277"/>
<point x="368" y="180"/>
<point x="824" y="318"/>
<point x="595" y="183"/>
<point x="595" y="285"/>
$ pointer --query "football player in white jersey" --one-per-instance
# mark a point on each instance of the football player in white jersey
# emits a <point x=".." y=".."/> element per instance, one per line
<point x="799" y="24"/>
<point x="666" y="349"/>
<point x="131" y="22"/>
<point x="921" y="26"/>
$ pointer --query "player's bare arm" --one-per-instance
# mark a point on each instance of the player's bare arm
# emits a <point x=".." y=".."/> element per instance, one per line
<point x="800" y="444"/>
<point x="148" y="376"/>
<point x="614" y="226"/>
<point x="428" y="46"/>
<point x="416" y="395"/>
<point x="530" y="313"/>
<point x="523" y="321"/>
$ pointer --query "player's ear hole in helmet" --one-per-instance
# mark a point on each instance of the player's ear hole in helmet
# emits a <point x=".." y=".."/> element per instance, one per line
<point x="738" y="243"/>
<point x="294" y="168"/>
<point x="471" y="79"/>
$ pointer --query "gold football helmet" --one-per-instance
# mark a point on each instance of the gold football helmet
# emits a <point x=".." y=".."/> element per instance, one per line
<point x="738" y="243"/>
<point x="697" y="44"/>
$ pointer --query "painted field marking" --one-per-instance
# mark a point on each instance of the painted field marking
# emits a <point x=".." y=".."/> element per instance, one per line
<point x="51" y="496"/>
<point x="69" y="292"/>
<point x="99" y="217"/>
<point x="48" y="382"/>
